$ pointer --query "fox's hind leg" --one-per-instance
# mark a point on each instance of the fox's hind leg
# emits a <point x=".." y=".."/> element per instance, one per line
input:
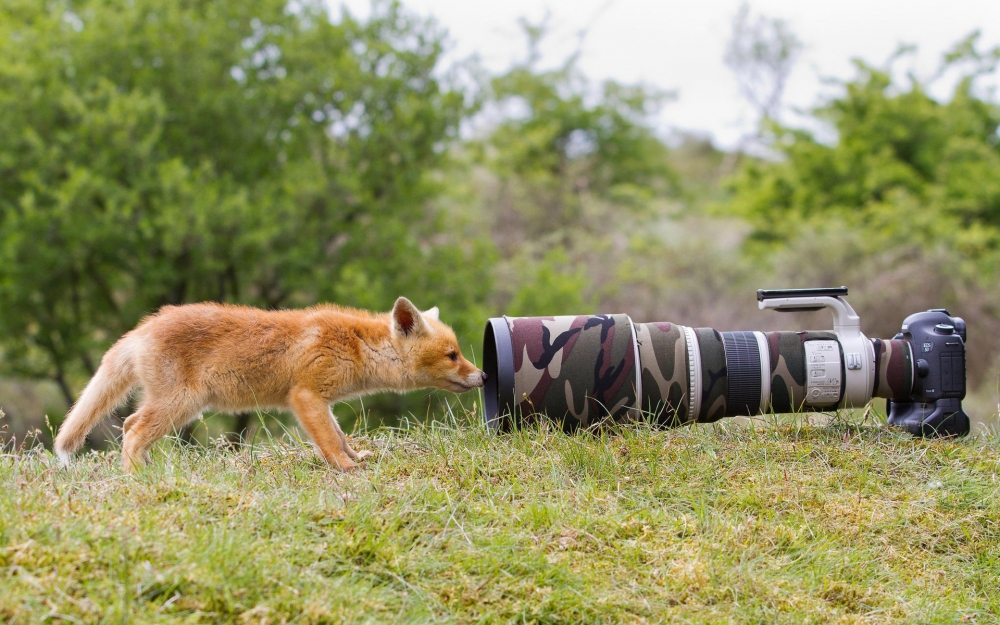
<point x="314" y="414"/>
<point x="354" y="455"/>
<point x="152" y="421"/>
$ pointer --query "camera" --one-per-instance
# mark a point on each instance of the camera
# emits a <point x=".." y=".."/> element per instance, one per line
<point x="580" y="370"/>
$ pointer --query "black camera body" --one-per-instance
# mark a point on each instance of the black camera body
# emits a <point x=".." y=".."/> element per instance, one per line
<point x="934" y="408"/>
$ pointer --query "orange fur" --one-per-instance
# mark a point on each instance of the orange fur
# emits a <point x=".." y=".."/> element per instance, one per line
<point x="234" y="358"/>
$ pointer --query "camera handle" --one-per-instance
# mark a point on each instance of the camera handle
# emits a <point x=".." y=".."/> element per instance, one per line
<point x="859" y="354"/>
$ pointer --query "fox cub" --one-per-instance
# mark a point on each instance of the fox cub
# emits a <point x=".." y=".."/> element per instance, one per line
<point x="234" y="358"/>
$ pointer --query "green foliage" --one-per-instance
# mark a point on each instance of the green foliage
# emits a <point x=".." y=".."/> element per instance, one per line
<point x="905" y="168"/>
<point x="567" y="168"/>
<point x="156" y="152"/>
<point x="566" y="145"/>
<point x="550" y="286"/>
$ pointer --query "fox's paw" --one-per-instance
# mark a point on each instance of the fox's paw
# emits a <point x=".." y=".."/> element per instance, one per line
<point x="347" y="466"/>
<point x="64" y="457"/>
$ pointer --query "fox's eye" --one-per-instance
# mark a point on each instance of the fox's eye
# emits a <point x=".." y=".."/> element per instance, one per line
<point x="453" y="356"/>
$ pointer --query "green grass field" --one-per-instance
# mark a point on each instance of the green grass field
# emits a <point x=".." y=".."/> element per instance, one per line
<point x="773" y="522"/>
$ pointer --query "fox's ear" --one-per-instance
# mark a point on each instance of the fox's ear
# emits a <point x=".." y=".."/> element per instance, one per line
<point x="407" y="319"/>
<point x="433" y="313"/>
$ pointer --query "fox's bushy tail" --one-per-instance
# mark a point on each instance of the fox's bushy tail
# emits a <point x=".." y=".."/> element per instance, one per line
<point x="105" y="391"/>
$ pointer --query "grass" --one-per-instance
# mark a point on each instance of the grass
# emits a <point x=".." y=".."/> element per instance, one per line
<point x="777" y="522"/>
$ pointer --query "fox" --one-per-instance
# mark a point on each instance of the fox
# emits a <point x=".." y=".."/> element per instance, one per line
<point x="231" y="358"/>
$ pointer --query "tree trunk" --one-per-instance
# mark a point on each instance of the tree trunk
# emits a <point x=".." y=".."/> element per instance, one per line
<point x="60" y="379"/>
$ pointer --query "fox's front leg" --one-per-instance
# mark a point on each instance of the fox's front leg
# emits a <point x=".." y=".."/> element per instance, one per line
<point x="315" y="416"/>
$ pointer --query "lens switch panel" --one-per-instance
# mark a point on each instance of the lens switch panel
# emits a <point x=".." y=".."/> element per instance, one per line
<point x="823" y="374"/>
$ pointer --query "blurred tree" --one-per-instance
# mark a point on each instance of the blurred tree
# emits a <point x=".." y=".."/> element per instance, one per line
<point x="567" y="142"/>
<point x="573" y="169"/>
<point x="158" y="152"/>
<point x="906" y="168"/>
<point x="761" y="52"/>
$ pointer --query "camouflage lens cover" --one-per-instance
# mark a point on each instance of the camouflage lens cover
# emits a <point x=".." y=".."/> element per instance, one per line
<point x="714" y="375"/>
<point x="578" y="370"/>
<point x="788" y="368"/>
<point x="665" y="377"/>
<point x="893" y="369"/>
<point x="575" y="369"/>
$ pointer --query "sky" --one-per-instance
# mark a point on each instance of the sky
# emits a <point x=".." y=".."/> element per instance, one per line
<point x="679" y="45"/>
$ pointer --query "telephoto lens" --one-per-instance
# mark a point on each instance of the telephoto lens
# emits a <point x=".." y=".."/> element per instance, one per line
<point x="581" y="370"/>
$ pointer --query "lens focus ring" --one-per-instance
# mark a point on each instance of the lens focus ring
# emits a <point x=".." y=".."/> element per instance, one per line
<point x="743" y="365"/>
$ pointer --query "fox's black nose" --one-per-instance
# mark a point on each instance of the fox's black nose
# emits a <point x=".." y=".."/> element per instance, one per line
<point x="485" y="377"/>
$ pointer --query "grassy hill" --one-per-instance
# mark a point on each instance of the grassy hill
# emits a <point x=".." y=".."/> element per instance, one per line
<point x="772" y="522"/>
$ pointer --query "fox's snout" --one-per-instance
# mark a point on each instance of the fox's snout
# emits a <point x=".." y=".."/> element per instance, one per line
<point x="478" y="379"/>
<point x="475" y="378"/>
